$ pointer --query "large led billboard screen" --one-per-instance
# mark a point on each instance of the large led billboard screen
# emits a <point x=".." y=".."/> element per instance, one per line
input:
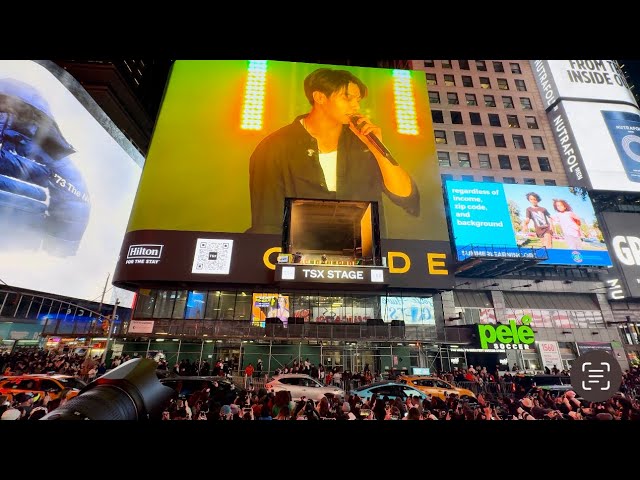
<point x="234" y="139"/>
<point x="581" y="80"/>
<point x="68" y="178"/>
<point x="623" y="237"/>
<point x="511" y="219"/>
<point x="599" y="144"/>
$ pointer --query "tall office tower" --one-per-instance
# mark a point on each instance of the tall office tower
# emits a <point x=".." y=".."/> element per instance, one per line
<point x="489" y="122"/>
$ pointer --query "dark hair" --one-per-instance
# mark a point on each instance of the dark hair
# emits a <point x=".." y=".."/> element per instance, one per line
<point x="534" y="195"/>
<point x="328" y="81"/>
<point x="567" y="207"/>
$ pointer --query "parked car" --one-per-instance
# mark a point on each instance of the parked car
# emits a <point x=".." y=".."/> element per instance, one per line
<point x="392" y="390"/>
<point x="301" y="385"/>
<point x="221" y="389"/>
<point x="40" y="384"/>
<point x="435" y="387"/>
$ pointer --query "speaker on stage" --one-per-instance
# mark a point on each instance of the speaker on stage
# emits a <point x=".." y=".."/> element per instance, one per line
<point x="273" y="321"/>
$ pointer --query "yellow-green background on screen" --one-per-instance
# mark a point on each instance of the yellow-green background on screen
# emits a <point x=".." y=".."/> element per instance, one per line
<point x="196" y="176"/>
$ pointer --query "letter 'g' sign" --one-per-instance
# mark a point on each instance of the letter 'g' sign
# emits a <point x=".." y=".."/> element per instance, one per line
<point x="503" y="337"/>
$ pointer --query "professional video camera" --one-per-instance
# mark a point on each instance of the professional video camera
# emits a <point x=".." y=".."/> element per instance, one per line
<point x="129" y="392"/>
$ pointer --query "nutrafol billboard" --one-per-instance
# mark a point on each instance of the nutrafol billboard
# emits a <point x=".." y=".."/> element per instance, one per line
<point x="495" y="219"/>
<point x="581" y="80"/>
<point x="595" y="121"/>
<point x="68" y="178"/>
<point x="599" y="144"/>
<point x="235" y="138"/>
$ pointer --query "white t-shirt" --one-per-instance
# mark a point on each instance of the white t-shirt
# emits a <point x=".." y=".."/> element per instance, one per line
<point x="328" y="162"/>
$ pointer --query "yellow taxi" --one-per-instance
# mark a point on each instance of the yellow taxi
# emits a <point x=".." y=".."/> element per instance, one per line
<point x="435" y="386"/>
<point x="39" y="385"/>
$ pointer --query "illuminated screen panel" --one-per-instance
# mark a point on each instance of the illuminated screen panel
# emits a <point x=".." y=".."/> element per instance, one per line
<point x="230" y="146"/>
<point x="521" y="218"/>
<point x="267" y="305"/>
<point x="581" y="80"/>
<point x="588" y="132"/>
<point x="410" y="310"/>
<point x="68" y="178"/>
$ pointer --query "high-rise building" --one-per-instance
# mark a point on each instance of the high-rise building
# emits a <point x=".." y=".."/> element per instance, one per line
<point x="489" y="122"/>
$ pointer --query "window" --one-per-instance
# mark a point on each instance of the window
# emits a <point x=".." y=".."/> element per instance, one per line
<point x="467" y="178"/>
<point x="484" y="82"/>
<point x="456" y="118"/>
<point x="494" y="120"/>
<point x="475" y="118"/>
<point x="497" y="67"/>
<point x="464" y="64"/>
<point x="518" y="142"/>
<point x="471" y="99"/>
<point x="464" y="160"/>
<point x="441" y="136"/>
<point x="431" y="79"/>
<point x="529" y="181"/>
<point x="460" y="138"/>
<point x="538" y="144"/>
<point x="512" y="121"/>
<point x="545" y="166"/>
<point x="515" y="68"/>
<point x="507" y="102"/>
<point x="502" y="84"/>
<point x="446" y="63"/>
<point x="521" y="86"/>
<point x="499" y="140"/>
<point x="449" y="81"/>
<point x="481" y="65"/>
<point x="446" y="176"/>
<point x="467" y="81"/>
<point x="434" y="97"/>
<point x="489" y="179"/>
<point x="429" y="63"/>
<point x="508" y="180"/>
<point x="505" y="162"/>
<point x="549" y="183"/>
<point x="526" y="103"/>
<point x="531" y="122"/>
<point x="484" y="160"/>
<point x="524" y="162"/>
<point x="489" y="101"/>
<point x="443" y="159"/>
<point x="452" y="98"/>
<point x="436" y="116"/>
<point x="480" y="139"/>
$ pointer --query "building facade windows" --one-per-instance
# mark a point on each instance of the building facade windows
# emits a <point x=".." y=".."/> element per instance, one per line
<point x="494" y="120"/>
<point x="436" y="116"/>
<point x="464" y="160"/>
<point x="460" y="138"/>
<point x="505" y="162"/>
<point x="499" y="141"/>
<point x="479" y="139"/>
<point x="456" y="118"/>
<point x="538" y="144"/>
<point x="467" y="81"/>
<point x="512" y="121"/>
<point x="502" y="84"/>
<point x="518" y="142"/>
<point x="507" y="102"/>
<point x="484" y="160"/>
<point x="432" y="79"/>
<point x="440" y="136"/>
<point x="452" y="98"/>
<point x="444" y="159"/>
<point x="526" y="103"/>
<point x="524" y="163"/>
<point x="471" y="99"/>
<point x="531" y="122"/>
<point x="489" y="101"/>
<point x="521" y="86"/>
<point x="475" y="118"/>
<point x="498" y="67"/>
<point x="434" y="97"/>
<point x="449" y="81"/>
<point x="544" y="164"/>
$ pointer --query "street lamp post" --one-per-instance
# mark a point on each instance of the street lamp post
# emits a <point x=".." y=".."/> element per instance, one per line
<point x="111" y="324"/>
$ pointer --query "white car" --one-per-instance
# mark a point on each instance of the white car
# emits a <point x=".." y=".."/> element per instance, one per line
<point x="301" y="385"/>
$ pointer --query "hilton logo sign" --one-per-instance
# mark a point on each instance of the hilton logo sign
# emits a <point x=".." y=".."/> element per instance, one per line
<point x="144" y="254"/>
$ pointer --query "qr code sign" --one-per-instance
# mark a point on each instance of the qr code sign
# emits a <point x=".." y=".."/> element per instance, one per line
<point x="212" y="255"/>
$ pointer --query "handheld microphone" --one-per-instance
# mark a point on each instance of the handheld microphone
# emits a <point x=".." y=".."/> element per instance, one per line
<point x="374" y="140"/>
